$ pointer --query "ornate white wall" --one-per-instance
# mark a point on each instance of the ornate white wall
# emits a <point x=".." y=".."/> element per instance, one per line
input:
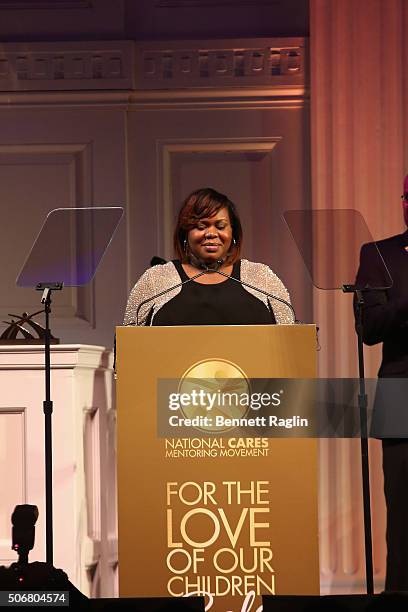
<point x="84" y="484"/>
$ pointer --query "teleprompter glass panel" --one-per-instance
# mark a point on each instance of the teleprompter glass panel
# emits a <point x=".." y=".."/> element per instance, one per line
<point x="70" y="246"/>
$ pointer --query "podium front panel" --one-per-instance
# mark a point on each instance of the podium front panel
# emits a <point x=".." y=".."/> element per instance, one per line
<point x="231" y="518"/>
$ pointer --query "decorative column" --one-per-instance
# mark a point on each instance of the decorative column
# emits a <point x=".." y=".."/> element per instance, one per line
<point x="358" y="125"/>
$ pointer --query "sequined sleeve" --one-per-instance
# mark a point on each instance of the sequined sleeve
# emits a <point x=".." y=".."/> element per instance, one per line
<point x="283" y="313"/>
<point x="260" y="275"/>
<point x="156" y="286"/>
<point x="140" y="292"/>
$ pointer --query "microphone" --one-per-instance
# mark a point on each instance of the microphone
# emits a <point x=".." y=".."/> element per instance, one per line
<point x="153" y="297"/>
<point x="176" y="286"/>
<point x="217" y="270"/>
<point x="214" y="269"/>
<point x="209" y="269"/>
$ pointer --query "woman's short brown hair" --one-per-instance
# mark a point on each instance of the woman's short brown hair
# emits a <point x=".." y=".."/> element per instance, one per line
<point x="205" y="203"/>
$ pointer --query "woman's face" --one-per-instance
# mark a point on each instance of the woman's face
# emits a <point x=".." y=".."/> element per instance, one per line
<point x="210" y="239"/>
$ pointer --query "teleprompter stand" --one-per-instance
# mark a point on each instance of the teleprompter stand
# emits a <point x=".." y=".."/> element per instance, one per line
<point x="320" y="236"/>
<point x="47" y="288"/>
<point x="67" y="252"/>
<point x="362" y="405"/>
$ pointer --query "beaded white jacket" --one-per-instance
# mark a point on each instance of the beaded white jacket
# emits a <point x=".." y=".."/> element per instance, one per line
<point x="162" y="277"/>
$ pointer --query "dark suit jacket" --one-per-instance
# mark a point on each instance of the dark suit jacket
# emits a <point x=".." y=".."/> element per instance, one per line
<point x="385" y="319"/>
<point x="385" y="313"/>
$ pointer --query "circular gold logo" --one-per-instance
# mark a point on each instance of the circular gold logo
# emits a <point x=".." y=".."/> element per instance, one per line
<point x="222" y="383"/>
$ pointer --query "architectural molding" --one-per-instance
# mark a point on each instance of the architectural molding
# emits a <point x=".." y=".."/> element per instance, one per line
<point x="220" y="63"/>
<point x="57" y="66"/>
<point x="188" y="99"/>
<point x="210" y="3"/>
<point x="166" y="152"/>
<point x="126" y="65"/>
<point x="32" y="5"/>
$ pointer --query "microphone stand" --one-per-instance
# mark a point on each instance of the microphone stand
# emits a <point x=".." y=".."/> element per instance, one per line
<point x="146" y="301"/>
<point x="180" y="284"/>
<point x="270" y="295"/>
<point x="211" y="270"/>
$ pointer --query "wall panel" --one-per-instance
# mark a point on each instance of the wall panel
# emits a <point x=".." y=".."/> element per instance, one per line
<point x="12" y="473"/>
<point x="254" y="155"/>
<point x="60" y="157"/>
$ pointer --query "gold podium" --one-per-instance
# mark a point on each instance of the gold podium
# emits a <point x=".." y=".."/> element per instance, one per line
<point x="230" y="518"/>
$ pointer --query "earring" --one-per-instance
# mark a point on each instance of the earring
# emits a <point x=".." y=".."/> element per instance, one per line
<point x="185" y="245"/>
<point x="234" y="242"/>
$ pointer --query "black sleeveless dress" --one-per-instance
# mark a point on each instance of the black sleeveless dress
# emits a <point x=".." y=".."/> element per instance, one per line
<point x="224" y="303"/>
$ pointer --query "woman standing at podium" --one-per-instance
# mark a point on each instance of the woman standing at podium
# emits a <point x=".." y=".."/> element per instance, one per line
<point x="208" y="240"/>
